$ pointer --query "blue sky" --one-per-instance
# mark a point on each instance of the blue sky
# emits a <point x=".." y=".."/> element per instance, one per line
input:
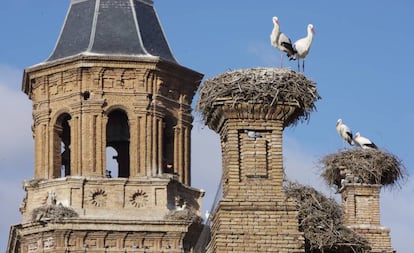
<point x="361" y="59"/>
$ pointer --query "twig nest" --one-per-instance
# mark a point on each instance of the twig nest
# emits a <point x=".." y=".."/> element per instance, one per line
<point x="271" y="87"/>
<point x="368" y="166"/>
<point x="320" y="220"/>
<point x="53" y="213"/>
<point x="185" y="215"/>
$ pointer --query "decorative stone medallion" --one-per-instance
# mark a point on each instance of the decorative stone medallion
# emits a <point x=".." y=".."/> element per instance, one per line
<point x="139" y="199"/>
<point x="98" y="198"/>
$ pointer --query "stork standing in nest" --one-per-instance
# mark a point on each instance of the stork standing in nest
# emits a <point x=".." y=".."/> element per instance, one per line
<point x="345" y="132"/>
<point x="302" y="47"/>
<point x="364" y="142"/>
<point x="280" y="41"/>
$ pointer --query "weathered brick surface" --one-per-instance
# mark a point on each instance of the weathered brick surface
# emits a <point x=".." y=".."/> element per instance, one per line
<point x="378" y="237"/>
<point x="255" y="227"/>
<point x="254" y="215"/>
<point x="361" y="204"/>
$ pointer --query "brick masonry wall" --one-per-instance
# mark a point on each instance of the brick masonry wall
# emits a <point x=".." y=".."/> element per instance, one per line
<point x="256" y="227"/>
<point x="254" y="215"/>
<point x="361" y="203"/>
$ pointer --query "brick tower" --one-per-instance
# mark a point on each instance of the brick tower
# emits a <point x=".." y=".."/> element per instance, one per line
<point x="254" y="214"/>
<point x="111" y="81"/>
<point x="361" y="204"/>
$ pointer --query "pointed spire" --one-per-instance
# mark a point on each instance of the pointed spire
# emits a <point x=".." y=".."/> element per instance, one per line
<point x="112" y="27"/>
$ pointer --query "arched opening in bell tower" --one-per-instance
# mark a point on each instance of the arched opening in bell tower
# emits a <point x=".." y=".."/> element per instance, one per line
<point x="61" y="146"/>
<point x="111" y="163"/>
<point x="169" y="124"/>
<point x="117" y="137"/>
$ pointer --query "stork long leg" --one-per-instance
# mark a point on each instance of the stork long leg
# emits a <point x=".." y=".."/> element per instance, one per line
<point x="303" y="65"/>
<point x="344" y="143"/>
<point x="298" y="65"/>
<point x="281" y="60"/>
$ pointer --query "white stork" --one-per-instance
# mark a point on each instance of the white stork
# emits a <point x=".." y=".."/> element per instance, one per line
<point x="302" y="47"/>
<point x="280" y="41"/>
<point x="363" y="142"/>
<point x="344" y="131"/>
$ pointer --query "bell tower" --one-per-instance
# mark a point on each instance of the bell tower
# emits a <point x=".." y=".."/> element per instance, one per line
<point x="111" y="81"/>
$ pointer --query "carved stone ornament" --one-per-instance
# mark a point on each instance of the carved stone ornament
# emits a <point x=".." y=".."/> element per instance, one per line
<point x="98" y="198"/>
<point x="139" y="199"/>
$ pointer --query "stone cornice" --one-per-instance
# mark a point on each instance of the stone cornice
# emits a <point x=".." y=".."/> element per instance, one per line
<point x="89" y="61"/>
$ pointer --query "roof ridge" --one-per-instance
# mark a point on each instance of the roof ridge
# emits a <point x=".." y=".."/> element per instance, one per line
<point x="134" y="13"/>
<point x="95" y="19"/>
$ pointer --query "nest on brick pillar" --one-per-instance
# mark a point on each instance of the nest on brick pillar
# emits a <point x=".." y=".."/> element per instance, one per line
<point x="320" y="220"/>
<point x="267" y="86"/>
<point x="367" y="166"/>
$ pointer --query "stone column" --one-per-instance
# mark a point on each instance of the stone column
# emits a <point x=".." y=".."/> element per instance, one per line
<point x="41" y="125"/>
<point x="91" y="136"/>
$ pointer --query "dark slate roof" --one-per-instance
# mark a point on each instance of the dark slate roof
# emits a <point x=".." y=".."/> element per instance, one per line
<point x="112" y="27"/>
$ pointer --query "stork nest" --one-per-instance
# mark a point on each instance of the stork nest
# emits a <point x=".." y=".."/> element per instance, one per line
<point x="320" y="219"/>
<point x="267" y="86"/>
<point x="368" y="166"/>
<point x="184" y="215"/>
<point x="53" y="213"/>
